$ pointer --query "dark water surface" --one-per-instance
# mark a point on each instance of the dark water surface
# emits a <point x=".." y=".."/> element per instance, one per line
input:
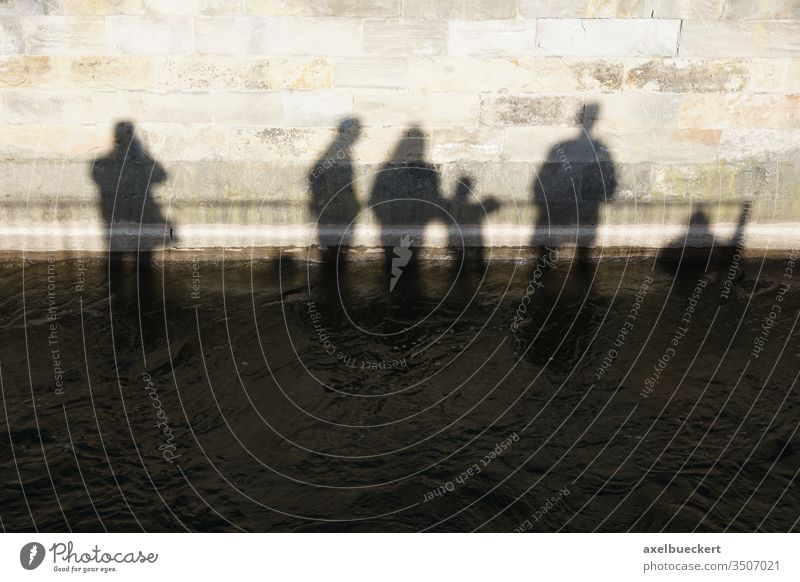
<point x="270" y="396"/>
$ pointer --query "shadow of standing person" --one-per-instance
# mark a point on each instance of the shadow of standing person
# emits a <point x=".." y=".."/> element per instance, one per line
<point x="405" y="198"/>
<point x="577" y="178"/>
<point x="334" y="202"/>
<point x="134" y="220"/>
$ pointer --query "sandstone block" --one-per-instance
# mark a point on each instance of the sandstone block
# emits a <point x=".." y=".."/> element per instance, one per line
<point x="522" y="75"/>
<point x="740" y="39"/>
<point x="233" y="73"/>
<point x="510" y="110"/>
<point x="688" y="76"/>
<point x="740" y="111"/>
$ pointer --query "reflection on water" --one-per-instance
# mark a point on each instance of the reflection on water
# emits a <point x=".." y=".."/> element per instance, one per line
<point x="291" y="397"/>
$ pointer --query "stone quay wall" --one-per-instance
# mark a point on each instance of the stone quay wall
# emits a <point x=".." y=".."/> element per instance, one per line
<point x="274" y="123"/>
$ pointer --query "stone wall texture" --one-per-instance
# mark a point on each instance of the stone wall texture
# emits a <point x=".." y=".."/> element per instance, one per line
<point x="245" y="117"/>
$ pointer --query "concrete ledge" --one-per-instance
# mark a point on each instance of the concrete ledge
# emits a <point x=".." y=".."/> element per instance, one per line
<point x="213" y="239"/>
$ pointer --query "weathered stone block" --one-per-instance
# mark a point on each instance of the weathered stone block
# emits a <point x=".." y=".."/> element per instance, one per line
<point x="496" y="9"/>
<point x="740" y="111"/>
<point x="25" y="71"/>
<point x="150" y="35"/>
<point x="120" y="72"/>
<point x="761" y="10"/>
<point x="393" y="38"/>
<point x="279" y="144"/>
<point x="56" y="35"/>
<point x="95" y="7"/>
<point x="491" y="38"/>
<point x="232" y="73"/>
<point x="22" y="7"/>
<point x="586" y="8"/>
<point x="27" y="106"/>
<point x="509" y="110"/>
<point x="692" y="9"/>
<point x="221" y="7"/>
<point x="608" y="37"/>
<point x="170" y="7"/>
<point x="743" y="143"/>
<point x="688" y="76"/>
<point x="740" y="39"/>
<point x="496" y="75"/>
<point x="384" y="72"/>
<point x="433" y="9"/>
<point x="460" y="9"/>
<point x="342" y="8"/>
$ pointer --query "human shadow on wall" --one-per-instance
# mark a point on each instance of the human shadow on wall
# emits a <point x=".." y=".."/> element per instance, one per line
<point x="135" y="222"/>
<point x="569" y="190"/>
<point x="334" y="201"/>
<point x="406" y="197"/>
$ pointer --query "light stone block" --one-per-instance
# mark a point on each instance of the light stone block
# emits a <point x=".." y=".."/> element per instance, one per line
<point x="278" y="36"/>
<point x="395" y="38"/>
<point x="383" y="72"/>
<point x="586" y="8"/>
<point x="95" y="7"/>
<point x="316" y="108"/>
<point x="389" y="108"/>
<point x="175" y="142"/>
<point x="607" y="37"/>
<point x="741" y="111"/>
<point x="150" y="35"/>
<point x="343" y="8"/>
<point x="170" y="7"/>
<point x="491" y="38"/>
<point x="689" y="9"/>
<point x="26" y="106"/>
<point x="65" y="35"/>
<point x="53" y="141"/>
<point x="12" y="39"/>
<point x="740" y="39"/>
<point x="634" y="111"/>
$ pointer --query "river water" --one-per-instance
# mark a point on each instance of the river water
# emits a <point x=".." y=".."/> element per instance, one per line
<point x="491" y="396"/>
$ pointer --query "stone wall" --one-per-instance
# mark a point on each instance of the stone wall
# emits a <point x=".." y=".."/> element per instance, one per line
<point x="244" y="121"/>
